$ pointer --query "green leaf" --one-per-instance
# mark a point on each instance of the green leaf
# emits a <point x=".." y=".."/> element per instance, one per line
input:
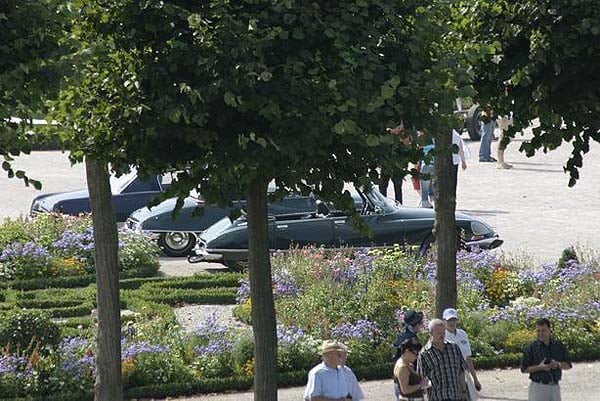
<point x="230" y="99"/>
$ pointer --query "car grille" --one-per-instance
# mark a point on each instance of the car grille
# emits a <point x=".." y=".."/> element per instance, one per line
<point x="132" y="224"/>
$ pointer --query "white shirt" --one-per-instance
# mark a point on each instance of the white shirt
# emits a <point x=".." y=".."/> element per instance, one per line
<point x="332" y="383"/>
<point x="463" y="150"/>
<point x="461" y="339"/>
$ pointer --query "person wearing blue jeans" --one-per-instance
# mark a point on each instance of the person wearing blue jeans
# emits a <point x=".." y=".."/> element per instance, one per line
<point x="487" y="135"/>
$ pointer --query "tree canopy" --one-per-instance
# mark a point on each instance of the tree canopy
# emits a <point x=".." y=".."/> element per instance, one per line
<point x="538" y="60"/>
<point x="29" y="71"/>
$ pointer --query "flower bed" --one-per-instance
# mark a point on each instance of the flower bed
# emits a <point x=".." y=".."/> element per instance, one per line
<point x="355" y="296"/>
<point x="54" y="246"/>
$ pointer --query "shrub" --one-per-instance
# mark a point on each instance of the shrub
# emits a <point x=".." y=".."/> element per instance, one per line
<point x="65" y="267"/>
<point x="20" y="329"/>
<point x="517" y="340"/>
<point x="138" y="256"/>
<point x="567" y="255"/>
<point x="243" y="353"/>
<point x="12" y="231"/>
<point x="77" y="245"/>
<point x="24" y="261"/>
<point x="156" y="368"/>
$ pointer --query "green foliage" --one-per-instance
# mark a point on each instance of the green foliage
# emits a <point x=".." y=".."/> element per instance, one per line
<point x="29" y="51"/>
<point x="517" y="340"/>
<point x="243" y="352"/>
<point x="13" y="230"/>
<point x="138" y="255"/>
<point x="157" y="368"/>
<point x="567" y="255"/>
<point x="21" y="329"/>
<point x="533" y="59"/>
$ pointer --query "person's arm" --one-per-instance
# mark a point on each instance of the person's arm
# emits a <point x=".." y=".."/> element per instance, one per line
<point x="403" y="377"/>
<point x="564" y="361"/>
<point x="461" y="153"/>
<point x="471" y="368"/>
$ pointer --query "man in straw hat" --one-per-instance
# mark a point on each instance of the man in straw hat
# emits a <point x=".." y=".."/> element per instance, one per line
<point x="332" y="380"/>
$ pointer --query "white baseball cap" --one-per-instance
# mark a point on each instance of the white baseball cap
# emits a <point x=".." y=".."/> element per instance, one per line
<point x="450" y="313"/>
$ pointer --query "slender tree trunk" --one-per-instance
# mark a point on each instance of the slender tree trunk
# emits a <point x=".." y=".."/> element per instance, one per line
<point x="108" y="385"/>
<point x="445" y="225"/>
<point x="261" y="293"/>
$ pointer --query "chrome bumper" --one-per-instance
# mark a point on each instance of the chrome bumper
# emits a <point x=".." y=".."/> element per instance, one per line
<point x="486" y="243"/>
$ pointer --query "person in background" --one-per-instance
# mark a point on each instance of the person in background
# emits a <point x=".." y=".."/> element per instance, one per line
<point x="427" y="167"/>
<point x="410" y="384"/>
<point x="332" y="380"/>
<point x="442" y="363"/>
<point x="459" y="158"/>
<point x="404" y="140"/>
<point x="488" y="119"/>
<point x="412" y="326"/>
<point x="544" y="360"/>
<point x="460" y="338"/>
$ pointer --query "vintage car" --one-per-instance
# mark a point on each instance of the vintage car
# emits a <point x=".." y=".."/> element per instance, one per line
<point x="389" y="223"/>
<point x="129" y="192"/>
<point x="177" y="236"/>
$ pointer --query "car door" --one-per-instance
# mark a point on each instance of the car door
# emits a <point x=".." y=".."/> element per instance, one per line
<point x="316" y="231"/>
<point x="384" y="230"/>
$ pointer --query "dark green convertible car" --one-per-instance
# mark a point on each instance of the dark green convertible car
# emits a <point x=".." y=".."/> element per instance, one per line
<point x="390" y="223"/>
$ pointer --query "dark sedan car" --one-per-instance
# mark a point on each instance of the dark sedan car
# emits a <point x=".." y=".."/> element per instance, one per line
<point x="390" y="224"/>
<point x="129" y="192"/>
<point x="178" y="236"/>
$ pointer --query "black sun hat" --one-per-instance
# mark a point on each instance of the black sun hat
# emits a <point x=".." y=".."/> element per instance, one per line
<point x="412" y="317"/>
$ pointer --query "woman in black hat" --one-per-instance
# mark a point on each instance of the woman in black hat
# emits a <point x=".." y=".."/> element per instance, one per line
<point x="412" y="325"/>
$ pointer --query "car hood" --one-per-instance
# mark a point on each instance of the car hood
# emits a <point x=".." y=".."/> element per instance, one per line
<point x="165" y="207"/>
<point x="48" y="201"/>
<point x="220" y="227"/>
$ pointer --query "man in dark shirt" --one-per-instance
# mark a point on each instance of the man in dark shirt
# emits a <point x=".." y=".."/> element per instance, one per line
<point x="544" y="359"/>
<point x="442" y="363"/>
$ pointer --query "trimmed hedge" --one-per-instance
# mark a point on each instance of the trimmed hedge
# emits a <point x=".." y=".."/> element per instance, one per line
<point x="57" y="282"/>
<point x="174" y="296"/>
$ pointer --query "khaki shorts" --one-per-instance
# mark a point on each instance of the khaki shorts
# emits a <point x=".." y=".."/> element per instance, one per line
<point x="543" y="392"/>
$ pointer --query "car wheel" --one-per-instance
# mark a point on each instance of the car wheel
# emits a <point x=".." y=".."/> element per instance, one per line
<point x="473" y="127"/>
<point x="177" y="243"/>
<point x="236" y="265"/>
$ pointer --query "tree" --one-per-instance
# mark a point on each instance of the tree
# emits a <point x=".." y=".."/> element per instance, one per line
<point x="538" y="59"/>
<point x="237" y="94"/>
<point x="29" y="72"/>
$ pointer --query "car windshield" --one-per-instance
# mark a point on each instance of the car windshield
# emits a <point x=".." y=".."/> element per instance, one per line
<point x="118" y="184"/>
<point x="381" y="203"/>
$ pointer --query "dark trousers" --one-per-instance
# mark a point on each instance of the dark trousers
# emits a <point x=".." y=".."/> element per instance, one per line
<point x="454" y="178"/>
<point x="397" y="181"/>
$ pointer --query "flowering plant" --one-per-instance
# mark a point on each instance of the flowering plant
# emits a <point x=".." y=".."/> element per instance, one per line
<point x="23" y="261"/>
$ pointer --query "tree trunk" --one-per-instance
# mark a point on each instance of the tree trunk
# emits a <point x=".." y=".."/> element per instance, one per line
<point x="445" y="225"/>
<point x="108" y="385"/>
<point x="261" y="293"/>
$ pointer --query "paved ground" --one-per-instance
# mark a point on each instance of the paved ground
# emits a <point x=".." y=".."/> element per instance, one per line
<point x="579" y="384"/>
<point x="530" y="205"/>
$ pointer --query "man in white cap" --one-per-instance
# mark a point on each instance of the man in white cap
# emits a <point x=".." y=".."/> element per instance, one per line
<point x="460" y="338"/>
<point x="332" y="380"/>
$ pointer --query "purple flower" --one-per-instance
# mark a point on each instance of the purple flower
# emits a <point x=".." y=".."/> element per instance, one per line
<point x="243" y="292"/>
<point x="17" y="366"/>
<point x="77" y="357"/>
<point x="212" y="337"/>
<point x="361" y="330"/>
<point x="284" y="284"/>
<point x="23" y="259"/>
<point x="289" y="336"/>
<point x="136" y="348"/>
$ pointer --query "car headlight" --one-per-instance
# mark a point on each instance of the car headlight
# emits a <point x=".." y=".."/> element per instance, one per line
<point x="478" y="228"/>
